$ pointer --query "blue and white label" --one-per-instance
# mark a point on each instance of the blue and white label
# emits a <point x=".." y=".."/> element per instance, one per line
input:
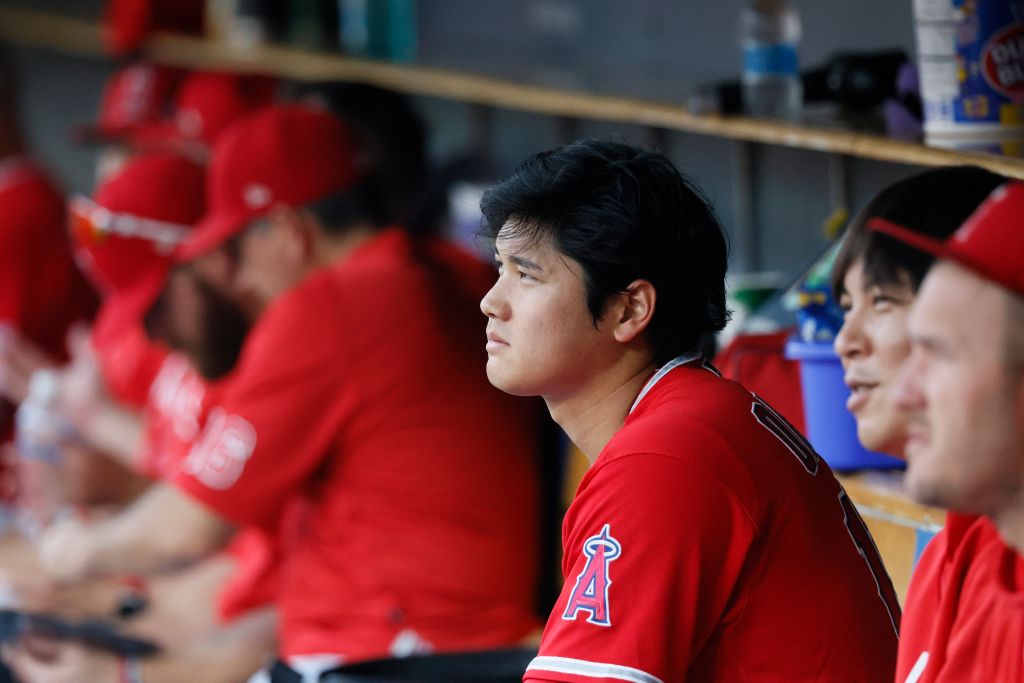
<point x="770" y="60"/>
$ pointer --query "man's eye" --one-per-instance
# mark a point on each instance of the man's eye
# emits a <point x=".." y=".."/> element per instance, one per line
<point x="881" y="301"/>
<point x="526" y="276"/>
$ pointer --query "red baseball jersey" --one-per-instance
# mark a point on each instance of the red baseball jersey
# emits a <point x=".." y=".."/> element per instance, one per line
<point x="174" y="414"/>
<point x="1000" y="654"/>
<point x="709" y="542"/>
<point x="364" y="390"/>
<point x="259" y="557"/>
<point x="953" y="600"/>
<point x="129" y="361"/>
<point x="173" y="417"/>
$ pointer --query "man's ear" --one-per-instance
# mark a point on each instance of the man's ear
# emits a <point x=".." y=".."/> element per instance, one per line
<point x="296" y="232"/>
<point x="634" y="309"/>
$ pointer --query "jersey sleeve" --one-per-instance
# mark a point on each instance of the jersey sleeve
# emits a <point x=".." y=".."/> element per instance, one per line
<point x="653" y="548"/>
<point x="274" y="421"/>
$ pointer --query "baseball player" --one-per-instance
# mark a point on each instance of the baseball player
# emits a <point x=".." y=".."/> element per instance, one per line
<point x="963" y="388"/>
<point x="125" y="236"/>
<point x="876" y="279"/>
<point x="135" y="97"/>
<point x="707" y="541"/>
<point x="152" y="108"/>
<point x="358" y="391"/>
<point x="205" y="104"/>
<point x="41" y="290"/>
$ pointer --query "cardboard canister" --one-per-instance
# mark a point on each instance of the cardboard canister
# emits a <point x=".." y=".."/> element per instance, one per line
<point x="971" y="60"/>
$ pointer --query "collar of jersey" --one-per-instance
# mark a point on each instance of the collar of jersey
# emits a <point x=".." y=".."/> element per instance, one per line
<point x="662" y="371"/>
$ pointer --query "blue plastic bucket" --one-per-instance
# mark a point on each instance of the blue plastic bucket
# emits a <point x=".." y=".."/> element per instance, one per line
<point x="831" y="428"/>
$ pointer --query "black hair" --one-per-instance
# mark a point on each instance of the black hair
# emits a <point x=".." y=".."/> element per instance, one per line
<point x="339" y="211"/>
<point x="934" y="203"/>
<point x="394" y="139"/>
<point x="623" y="214"/>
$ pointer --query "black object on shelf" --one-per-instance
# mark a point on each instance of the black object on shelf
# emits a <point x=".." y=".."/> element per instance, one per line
<point x="856" y="81"/>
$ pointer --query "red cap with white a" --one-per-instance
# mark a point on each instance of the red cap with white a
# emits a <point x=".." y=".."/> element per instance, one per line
<point x="990" y="242"/>
<point x="205" y="105"/>
<point x="283" y="155"/>
<point x="135" y="97"/>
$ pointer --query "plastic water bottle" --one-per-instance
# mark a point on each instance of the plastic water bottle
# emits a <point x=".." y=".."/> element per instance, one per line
<point x="769" y="32"/>
<point x="39" y="431"/>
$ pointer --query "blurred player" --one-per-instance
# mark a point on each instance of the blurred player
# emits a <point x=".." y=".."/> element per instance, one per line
<point x="963" y="389"/>
<point x="386" y="427"/>
<point x="876" y="280"/>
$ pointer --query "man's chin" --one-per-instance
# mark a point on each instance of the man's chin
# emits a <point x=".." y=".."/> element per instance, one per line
<point x="927" y="490"/>
<point x="501" y="380"/>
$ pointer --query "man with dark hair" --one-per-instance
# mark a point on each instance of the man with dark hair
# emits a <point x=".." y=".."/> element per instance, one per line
<point x="963" y="388"/>
<point x="876" y="280"/>
<point x="394" y="139"/>
<point x="707" y="541"/>
<point x="356" y="394"/>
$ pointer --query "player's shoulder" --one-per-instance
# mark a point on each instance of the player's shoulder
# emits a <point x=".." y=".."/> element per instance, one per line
<point x="311" y="302"/>
<point x="962" y="560"/>
<point x="703" y="421"/>
<point x="692" y="407"/>
<point x="969" y="538"/>
<point x="310" y="312"/>
<point x="681" y="453"/>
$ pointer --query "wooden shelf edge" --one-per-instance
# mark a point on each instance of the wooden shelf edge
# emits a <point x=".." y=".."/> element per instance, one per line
<point x="883" y="492"/>
<point x="50" y="31"/>
<point x="84" y="38"/>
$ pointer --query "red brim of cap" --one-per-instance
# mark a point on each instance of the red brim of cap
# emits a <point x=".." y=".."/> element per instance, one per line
<point x="916" y="240"/>
<point x="210" y="233"/>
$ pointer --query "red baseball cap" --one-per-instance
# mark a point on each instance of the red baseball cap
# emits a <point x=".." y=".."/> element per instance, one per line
<point x="135" y="97"/>
<point x="125" y="238"/>
<point x="990" y="242"/>
<point x="207" y="103"/>
<point x="283" y="155"/>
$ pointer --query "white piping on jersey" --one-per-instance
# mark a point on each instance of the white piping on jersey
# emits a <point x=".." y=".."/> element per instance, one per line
<point x="919" y="667"/>
<point x="664" y="370"/>
<point x="581" y="667"/>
